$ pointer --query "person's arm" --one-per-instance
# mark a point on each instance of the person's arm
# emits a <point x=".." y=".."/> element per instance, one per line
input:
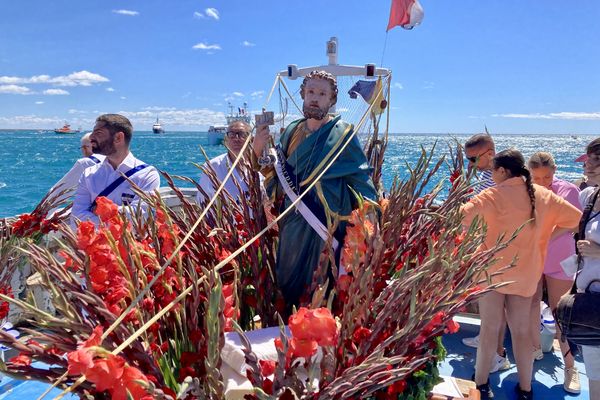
<point x="68" y="183"/>
<point x="567" y="216"/>
<point x="82" y="203"/>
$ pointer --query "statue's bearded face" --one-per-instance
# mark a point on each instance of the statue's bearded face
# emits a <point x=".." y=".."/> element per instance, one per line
<point x="317" y="99"/>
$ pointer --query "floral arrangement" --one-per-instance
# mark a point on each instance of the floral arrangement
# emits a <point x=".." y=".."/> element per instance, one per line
<point x="142" y="303"/>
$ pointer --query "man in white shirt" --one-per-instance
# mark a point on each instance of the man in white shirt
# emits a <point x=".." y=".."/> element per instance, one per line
<point x="237" y="133"/>
<point x="111" y="137"/>
<point x="70" y="180"/>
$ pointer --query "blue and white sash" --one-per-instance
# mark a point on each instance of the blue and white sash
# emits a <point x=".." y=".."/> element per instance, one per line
<point x="308" y="208"/>
<point x="110" y="188"/>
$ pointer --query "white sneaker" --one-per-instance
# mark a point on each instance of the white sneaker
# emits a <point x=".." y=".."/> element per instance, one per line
<point x="499" y="363"/>
<point x="572" y="384"/>
<point x="538" y="355"/>
<point x="471" y="341"/>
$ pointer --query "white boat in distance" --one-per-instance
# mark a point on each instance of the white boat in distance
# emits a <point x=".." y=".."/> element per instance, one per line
<point x="157" y="127"/>
<point x="216" y="133"/>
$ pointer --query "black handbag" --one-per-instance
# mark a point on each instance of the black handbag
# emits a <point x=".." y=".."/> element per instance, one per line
<point x="578" y="314"/>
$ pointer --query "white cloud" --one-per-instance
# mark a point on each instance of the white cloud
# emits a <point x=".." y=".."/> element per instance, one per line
<point x="158" y="108"/>
<point x="428" y="85"/>
<point x="14" y="89"/>
<point x="55" y="92"/>
<point x="123" y="98"/>
<point x="398" y="85"/>
<point x="248" y="44"/>
<point x="130" y="13"/>
<point x="198" y="14"/>
<point x="238" y="94"/>
<point x="558" y="115"/>
<point x="212" y="13"/>
<point x="31" y="121"/>
<point x="109" y="89"/>
<point x="39" y="102"/>
<point x="73" y="111"/>
<point x="258" y="93"/>
<point x="204" y="46"/>
<point x="80" y="78"/>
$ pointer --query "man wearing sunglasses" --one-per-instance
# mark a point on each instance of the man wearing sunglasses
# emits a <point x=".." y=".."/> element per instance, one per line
<point x="237" y="133"/>
<point x="480" y="151"/>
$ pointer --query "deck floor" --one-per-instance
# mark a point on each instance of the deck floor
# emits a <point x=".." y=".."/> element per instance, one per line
<point x="459" y="363"/>
<point x="548" y="372"/>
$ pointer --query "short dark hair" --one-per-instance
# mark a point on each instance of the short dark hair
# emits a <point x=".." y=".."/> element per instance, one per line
<point x="593" y="147"/>
<point x="480" y="139"/>
<point x="117" y="123"/>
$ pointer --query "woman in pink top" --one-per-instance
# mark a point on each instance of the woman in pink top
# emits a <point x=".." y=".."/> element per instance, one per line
<point x="514" y="203"/>
<point x="543" y="167"/>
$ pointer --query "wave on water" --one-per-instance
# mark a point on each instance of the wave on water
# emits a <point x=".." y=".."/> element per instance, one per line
<point x="3" y="185"/>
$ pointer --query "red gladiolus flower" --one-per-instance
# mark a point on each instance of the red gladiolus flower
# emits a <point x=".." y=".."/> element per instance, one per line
<point x="95" y="338"/>
<point x="300" y="324"/>
<point x="452" y="326"/>
<point x="278" y="344"/>
<point x="268" y="386"/>
<point x="80" y="361"/>
<point x="267" y="367"/>
<point x="105" y="373"/>
<point x="86" y="234"/>
<point x="4" y="306"/>
<point x="302" y="347"/>
<point x="360" y="334"/>
<point x="317" y="324"/>
<point x="343" y="283"/>
<point x="130" y="384"/>
<point x="396" y="388"/>
<point x="106" y="209"/>
<point x="21" y="360"/>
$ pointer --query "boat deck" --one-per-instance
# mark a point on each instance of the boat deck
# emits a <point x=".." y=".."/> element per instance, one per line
<point x="459" y="363"/>
<point x="548" y="372"/>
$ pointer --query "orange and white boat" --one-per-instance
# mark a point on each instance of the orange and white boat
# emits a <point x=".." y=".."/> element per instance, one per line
<point x="66" y="130"/>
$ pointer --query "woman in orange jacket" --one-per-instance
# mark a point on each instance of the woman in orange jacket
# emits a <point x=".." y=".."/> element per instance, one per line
<point x="514" y="203"/>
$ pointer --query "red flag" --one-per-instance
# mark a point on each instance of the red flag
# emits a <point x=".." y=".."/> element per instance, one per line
<point x="406" y="13"/>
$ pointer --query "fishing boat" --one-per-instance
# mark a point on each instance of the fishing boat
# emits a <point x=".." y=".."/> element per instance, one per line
<point x="216" y="133"/>
<point x="157" y="127"/>
<point x="66" y="130"/>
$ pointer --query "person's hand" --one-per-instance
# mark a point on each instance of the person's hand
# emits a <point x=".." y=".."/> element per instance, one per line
<point x="261" y="139"/>
<point x="588" y="249"/>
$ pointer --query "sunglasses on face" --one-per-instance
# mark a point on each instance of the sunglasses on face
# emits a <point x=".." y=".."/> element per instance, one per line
<point x="474" y="158"/>
<point x="238" y="134"/>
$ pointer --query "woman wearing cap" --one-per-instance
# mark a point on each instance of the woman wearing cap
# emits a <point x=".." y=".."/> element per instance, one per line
<point x="589" y="249"/>
<point x="582" y="182"/>
<point x="514" y="204"/>
<point x="542" y="168"/>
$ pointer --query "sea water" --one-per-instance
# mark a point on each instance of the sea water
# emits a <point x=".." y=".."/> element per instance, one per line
<point x="32" y="161"/>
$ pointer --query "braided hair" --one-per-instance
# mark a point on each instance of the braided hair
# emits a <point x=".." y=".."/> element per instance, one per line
<point x="512" y="160"/>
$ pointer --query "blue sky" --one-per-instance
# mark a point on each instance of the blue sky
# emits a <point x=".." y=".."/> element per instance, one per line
<point x="517" y="66"/>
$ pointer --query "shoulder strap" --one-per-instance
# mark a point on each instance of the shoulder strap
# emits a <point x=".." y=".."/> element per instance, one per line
<point x="585" y="218"/>
<point x="94" y="159"/>
<point x="110" y="188"/>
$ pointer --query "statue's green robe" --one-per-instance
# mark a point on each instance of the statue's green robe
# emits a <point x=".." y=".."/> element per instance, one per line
<point x="299" y="245"/>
